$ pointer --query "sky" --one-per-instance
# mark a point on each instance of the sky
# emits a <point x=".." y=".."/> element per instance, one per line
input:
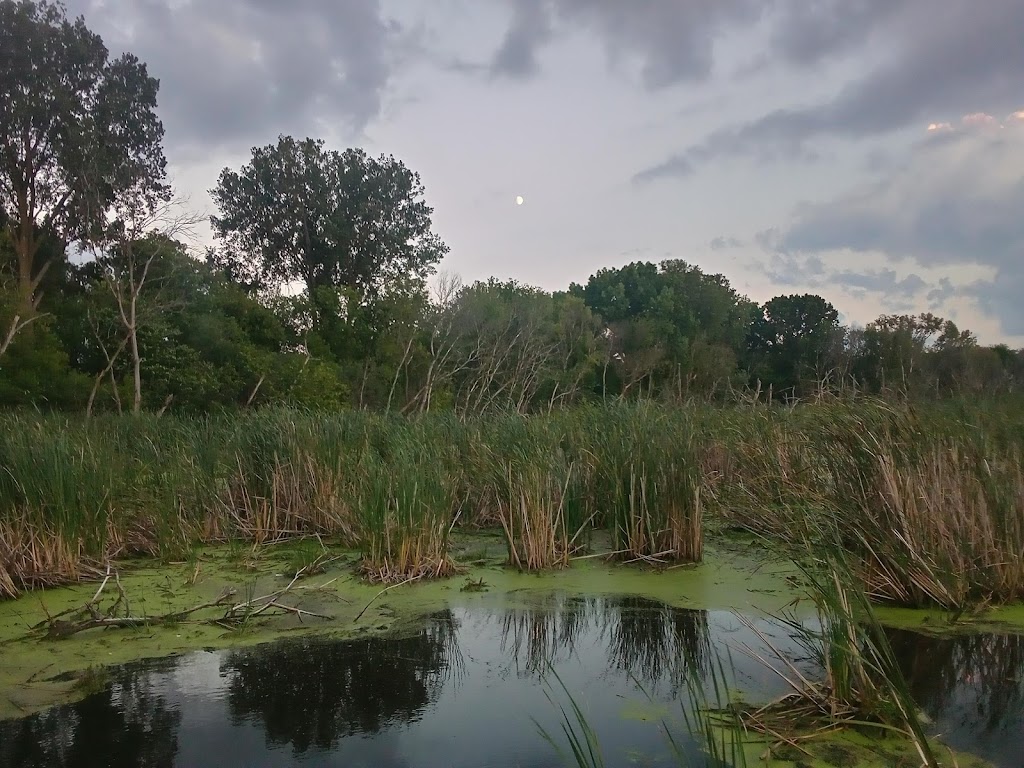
<point x="870" y="151"/>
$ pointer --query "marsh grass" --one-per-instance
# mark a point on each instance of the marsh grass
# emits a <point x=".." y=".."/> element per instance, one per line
<point x="926" y="501"/>
<point x="645" y="480"/>
<point x="861" y="683"/>
<point x="406" y="509"/>
<point x="929" y="513"/>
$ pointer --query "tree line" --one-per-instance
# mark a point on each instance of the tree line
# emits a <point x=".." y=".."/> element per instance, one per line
<point x="321" y="288"/>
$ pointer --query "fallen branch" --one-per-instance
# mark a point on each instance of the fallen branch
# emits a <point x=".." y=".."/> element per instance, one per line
<point x="119" y="616"/>
<point x="60" y="629"/>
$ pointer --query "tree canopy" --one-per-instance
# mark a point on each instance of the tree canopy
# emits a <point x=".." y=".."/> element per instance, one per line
<point x="317" y="291"/>
<point x="78" y="132"/>
<point x="326" y="219"/>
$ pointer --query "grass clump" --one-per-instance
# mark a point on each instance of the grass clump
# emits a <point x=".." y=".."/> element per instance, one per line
<point x="406" y="510"/>
<point x="927" y="512"/>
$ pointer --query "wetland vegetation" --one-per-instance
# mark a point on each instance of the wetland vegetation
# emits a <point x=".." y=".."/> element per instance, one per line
<point x="301" y="429"/>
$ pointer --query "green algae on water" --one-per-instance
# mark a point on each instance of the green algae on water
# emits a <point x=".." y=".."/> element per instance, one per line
<point x="37" y="673"/>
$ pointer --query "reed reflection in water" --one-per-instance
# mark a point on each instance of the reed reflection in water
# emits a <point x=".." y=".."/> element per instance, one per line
<point x="646" y="640"/>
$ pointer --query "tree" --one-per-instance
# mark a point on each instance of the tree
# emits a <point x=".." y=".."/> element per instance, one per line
<point x="140" y="236"/>
<point x="789" y="342"/>
<point x="76" y="131"/>
<point x="670" y="328"/>
<point x="326" y="219"/>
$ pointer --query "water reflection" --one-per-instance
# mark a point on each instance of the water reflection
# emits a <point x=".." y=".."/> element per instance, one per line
<point x="972" y="686"/>
<point x="648" y="641"/>
<point x="310" y="693"/>
<point x="460" y="691"/>
<point x="652" y="642"/>
<point x="130" y="723"/>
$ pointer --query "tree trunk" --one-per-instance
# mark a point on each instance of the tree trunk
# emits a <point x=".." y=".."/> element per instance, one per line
<point x="133" y="332"/>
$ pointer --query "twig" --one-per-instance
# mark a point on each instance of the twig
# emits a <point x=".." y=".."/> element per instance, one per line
<point x="399" y="584"/>
<point x="63" y="629"/>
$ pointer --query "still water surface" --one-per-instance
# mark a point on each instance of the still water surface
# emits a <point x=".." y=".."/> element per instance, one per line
<point x="464" y="690"/>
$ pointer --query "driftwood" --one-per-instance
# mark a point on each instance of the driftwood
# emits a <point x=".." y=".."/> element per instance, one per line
<point x="119" y="615"/>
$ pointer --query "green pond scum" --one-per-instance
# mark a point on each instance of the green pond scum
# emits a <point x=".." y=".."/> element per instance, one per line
<point x="737" y="575"/>
<point x="846" y="749"/>
<point x="39" y="671"/>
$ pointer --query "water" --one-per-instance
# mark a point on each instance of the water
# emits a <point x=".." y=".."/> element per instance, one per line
<point x="972" y="686"/>
<point x="463" y="689"/>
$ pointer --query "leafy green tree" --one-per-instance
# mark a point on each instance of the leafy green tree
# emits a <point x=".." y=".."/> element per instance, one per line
<point x="790" y="341"/>
<point x="671" y="329"/>
<point x="895" y="350"/>
<point x="77" y="130"/>
<point x="336" y="220"/>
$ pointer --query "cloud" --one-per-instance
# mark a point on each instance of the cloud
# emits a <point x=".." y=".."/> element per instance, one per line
<point x="721" y="243"/>
<point x="805" y="34"/>
<point x="672" y="39"/>
<point x="955" y="201"/>
<point x="530" y="28"/>
<point x="251" y="69"/>
<point x="786" y="269"/>
<point x="941" y="293"/>
<point x="957" y="60"/>
<point x="883" y="281"/>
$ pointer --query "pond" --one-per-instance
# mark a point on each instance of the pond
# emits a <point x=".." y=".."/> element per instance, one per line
<point x="469" y="687"/>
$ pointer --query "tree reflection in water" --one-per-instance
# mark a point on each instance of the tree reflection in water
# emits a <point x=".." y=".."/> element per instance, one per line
<point x="973" y="684"/>
<point x="311" y="693"/>
<point x="127" y="724"/>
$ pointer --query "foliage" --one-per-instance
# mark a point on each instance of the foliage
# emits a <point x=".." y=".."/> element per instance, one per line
<point x="790" y="340"/>
<point x="327" y="219"/>
<point x="79" y="132"/>
<point x="670" y="329"/>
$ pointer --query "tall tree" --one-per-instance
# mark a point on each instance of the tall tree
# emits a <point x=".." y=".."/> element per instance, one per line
<point x="77" y="131"/>
<point x="299" y="213"/>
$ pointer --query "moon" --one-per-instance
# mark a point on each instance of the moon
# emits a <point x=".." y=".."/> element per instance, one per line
<point x="519" y="200"/>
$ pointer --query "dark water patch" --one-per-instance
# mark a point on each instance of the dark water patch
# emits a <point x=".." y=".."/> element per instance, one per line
<point x="458" y="691"/>
<point x="461" y="689"/>
<point x="972" y="688"/>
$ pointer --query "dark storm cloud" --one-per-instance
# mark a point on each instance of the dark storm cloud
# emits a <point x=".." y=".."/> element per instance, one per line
<point x="1001" y="298"/>
<point x="673" y="39"/>
<point x="530" y="28"/>
<point x="944" y="60"/>
<point x="957" y="201"/>
<point x="954" y="203"/>
<point x="249" y="69"/>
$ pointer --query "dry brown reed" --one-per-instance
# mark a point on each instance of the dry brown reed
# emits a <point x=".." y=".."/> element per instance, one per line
<point x="533" y="517"/>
